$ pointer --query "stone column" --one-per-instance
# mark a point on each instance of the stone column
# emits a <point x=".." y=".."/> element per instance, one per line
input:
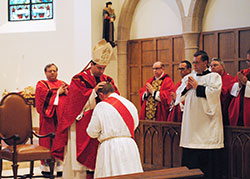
<point x="191" y="40"/>
<point x="122" y="67"/>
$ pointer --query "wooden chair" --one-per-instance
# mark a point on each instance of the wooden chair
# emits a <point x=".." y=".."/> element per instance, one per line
<point x="16" y="131"/>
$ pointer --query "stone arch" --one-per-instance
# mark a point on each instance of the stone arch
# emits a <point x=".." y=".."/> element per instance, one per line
<point x="191" y="25"/>
<point x="123" y="36"/>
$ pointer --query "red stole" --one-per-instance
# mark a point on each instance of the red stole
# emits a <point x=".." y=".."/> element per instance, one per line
<point x="124" y="112"/>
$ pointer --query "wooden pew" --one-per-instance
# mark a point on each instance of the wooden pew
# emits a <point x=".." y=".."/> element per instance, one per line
<point x="179" y="172"/>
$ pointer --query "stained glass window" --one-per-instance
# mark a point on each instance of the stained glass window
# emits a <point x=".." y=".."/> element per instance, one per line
<point x="24" y="10"/>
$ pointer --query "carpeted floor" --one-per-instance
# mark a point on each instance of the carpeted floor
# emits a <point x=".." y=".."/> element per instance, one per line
<point x="22" y="169"/>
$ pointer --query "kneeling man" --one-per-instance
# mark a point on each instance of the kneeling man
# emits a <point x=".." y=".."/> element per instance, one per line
<point x="113" y="122"/>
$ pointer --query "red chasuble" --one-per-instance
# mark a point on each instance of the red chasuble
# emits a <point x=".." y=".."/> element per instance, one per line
<point x="175" y="115"/>
<point x="81" y="88"/>
<point x="167" y="86"/>
<point x="124" y="112"/>
<point x="225" y="97"/>
<point x="45" y="95"/>
<point x="239" y="106"/>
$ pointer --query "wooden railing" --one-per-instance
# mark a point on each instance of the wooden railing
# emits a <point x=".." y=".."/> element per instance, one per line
<point x="158" y="143"/>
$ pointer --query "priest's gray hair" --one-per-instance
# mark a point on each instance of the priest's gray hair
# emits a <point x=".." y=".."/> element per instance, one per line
<point x="220" y="62"/>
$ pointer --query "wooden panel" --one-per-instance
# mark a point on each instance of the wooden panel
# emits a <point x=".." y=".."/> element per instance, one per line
<point x="133" y="54"/>
<point x="176" y="73"/>
<point x="237" y="148"/>
<point x="134" y="82"/>
<point x="143" y="53"/>
<point x="243" y="65"/>
<point x="163" y="43"/>
<point x="168" y="70"/>
<point x="230" y="67"/>
<point x="164" y="50"/>
<point x="179" y="53"/>
<point x="170" y="173"/>
<point x="135" y="99"/>
<point x="147" y="72"/>
<point x="210" y="44"/>
<point x="152" y="147"/>
<point x="171" y="154"/>
<point x="148" y="57"/>
<point x="227" y="45"/>
<point x="244" y="43"/>
<point x="148" y="45"/>
<point x="164" y="56"/>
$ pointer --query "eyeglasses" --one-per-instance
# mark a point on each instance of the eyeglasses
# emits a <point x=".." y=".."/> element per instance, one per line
<point x="195" y="62"/>
<point x="157" y="68"/>
<point x="50" y="71"/>
<point x="181" y="69"/>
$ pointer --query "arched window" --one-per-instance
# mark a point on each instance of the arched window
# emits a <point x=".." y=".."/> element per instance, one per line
<point x="25" y="10"/>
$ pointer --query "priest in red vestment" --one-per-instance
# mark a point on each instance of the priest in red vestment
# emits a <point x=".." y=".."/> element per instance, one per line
<point x="155" y="95"/>
<point x="217" y="65"/>
<point x="238" y="111"/>
<point x="50" y="96"/>
<point x="175" y="113"/>
<point x="72" y="142"/>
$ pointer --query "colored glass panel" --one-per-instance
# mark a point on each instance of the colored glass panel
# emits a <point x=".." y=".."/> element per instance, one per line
<point x="19" y="13"/>
<point x="41" y="1"/>
<point x="14" y="2"/>
<point x="42" y="11"/>
<point x="21" y="10"/>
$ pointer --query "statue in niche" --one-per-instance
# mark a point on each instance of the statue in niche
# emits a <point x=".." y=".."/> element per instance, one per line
<point x="108" y="24"/>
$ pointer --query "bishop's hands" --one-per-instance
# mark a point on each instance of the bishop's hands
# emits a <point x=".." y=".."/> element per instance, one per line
<point x="192" y="83"/>
<point x="149" y="88"/>
<point x="63" y="89"/>
<point x="242" y="79"/>
<point x="99" y="86"/>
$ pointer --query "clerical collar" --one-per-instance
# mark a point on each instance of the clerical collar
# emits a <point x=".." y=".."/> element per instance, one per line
<point x="159" y="76"/>
<point x="203" y="73"/>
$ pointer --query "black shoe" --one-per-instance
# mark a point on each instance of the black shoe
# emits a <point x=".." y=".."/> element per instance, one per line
<point x="46" y="174"/>
<point x="59" y="174"/>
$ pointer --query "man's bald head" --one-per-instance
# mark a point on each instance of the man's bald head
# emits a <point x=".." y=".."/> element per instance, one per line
<point x="158" y="69"/>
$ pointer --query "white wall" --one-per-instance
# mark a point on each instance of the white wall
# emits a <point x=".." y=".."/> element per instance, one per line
<point x="66" y="42"/>
<point x="226" y="14"/>
<point x="153" y="18"/>
<point x="26" y="47"/>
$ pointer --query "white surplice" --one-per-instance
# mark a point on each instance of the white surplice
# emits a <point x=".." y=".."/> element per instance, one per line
<point x="119" y="154"/>
<point x="202" y="126"/>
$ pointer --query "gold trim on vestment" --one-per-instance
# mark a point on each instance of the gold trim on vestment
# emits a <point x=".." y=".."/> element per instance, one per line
<point x="151" y="103"/>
